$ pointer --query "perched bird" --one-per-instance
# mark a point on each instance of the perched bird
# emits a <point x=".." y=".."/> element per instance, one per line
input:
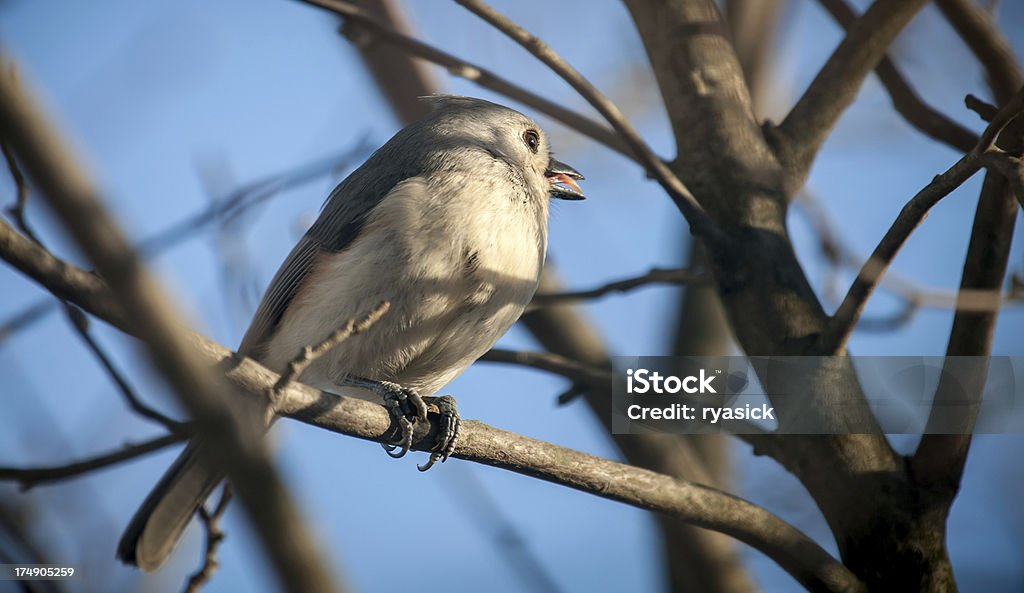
<point x="448" y="223"/>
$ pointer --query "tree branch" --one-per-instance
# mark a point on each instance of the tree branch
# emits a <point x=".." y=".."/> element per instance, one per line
<point x="700" y="223"/>
<point x="695" y="504"/>
<point x="940" y="459"/>
<point x="928" y="120"/>
<point x="475" y="74"/>
<point x="32" y="476"/>
<point x="802" y="133"/>
<point x="234" y="438"/>
<point x="214" y="537"/>
<point x="836" y="334"/>
<point x="976" y="27"/>
<point x="678" y="277"/>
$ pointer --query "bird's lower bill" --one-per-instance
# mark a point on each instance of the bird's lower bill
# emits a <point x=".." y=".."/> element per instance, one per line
<point x="565" y="187"/>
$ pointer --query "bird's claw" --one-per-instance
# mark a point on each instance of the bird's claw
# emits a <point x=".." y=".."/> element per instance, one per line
<point x="447" y="433"/>
<point x="407" y="407"/>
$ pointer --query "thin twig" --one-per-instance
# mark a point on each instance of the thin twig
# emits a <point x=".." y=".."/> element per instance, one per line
<point x="905" y="99"/>
<point x="915" y="296"/>
<point x="80" y="322"/>
<point x="476" y="74"/>
<point x="32" y="476"/>
<point x="310" y="353"/>
<point x="675" y="276"/>
<point x="552" y="363"/>
<point x="17" y="210"/>
<point x="700" y="223"/>
<point x="697" y="505"/>
<point x="214" y="537"/>
<point x="833" y="339"/>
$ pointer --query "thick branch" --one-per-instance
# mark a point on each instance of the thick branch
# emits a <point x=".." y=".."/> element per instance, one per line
<point x="235" y="442"/>
<point x="699" y="505"/>
<point x="804" y="130"/>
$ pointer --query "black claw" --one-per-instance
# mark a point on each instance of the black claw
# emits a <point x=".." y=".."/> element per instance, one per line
<point x="448" y="430"/>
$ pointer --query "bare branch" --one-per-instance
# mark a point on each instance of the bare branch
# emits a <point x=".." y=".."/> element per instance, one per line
<point x="700" y="223"/>
<point x="833" y="339"/>
<point x="577" y="371"/>
<point x="310" y="353"/>
<point x="234" y="441"/>
<point x="979" y="31"/>
<point x="17" y="210"/>
<point x="476" y="74"/>
<point x="678" y="277"/>
<point x="915" y="295"/>
<point x="214" y="537"/>
<point x="692" y="503"/>
<point x="802" y="133"/>
<point x="32" y="476"/>
<point x="908" y="103"/>
<point x="81" y="324"/>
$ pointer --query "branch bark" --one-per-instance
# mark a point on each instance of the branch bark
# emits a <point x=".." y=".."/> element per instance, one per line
<point x="928" y="120"/>
<point x="699" y="505"/>
<point x="802" y="133"/>
<point x="68" y="190"/>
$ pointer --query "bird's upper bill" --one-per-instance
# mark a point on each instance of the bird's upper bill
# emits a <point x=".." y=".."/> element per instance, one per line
<point x="563" y="181"/>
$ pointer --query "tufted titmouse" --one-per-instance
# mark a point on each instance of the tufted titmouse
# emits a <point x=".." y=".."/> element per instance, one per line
<point x="448" y="222"/>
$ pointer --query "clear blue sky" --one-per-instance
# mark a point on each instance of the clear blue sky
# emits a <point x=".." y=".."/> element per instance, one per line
<point x="152" y="93"/>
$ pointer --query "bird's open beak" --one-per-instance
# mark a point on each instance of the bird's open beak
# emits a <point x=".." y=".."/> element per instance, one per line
<point x="563" y="181"/>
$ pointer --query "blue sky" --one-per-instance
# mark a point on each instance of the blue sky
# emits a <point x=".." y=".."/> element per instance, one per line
<point x="152" y="93"/>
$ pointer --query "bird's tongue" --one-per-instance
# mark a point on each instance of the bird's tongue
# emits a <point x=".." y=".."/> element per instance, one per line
<point x="564" y="179"/>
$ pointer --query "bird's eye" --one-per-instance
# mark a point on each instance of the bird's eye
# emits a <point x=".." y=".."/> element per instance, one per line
<point x="532" y="139"/>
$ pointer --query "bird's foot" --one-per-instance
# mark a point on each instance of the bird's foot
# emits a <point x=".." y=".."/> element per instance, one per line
<point x="407" y="407"/>
<point x="448" y="430"/>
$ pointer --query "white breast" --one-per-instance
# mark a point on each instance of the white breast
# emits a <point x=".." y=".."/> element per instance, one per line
<point x="458" y="270"/>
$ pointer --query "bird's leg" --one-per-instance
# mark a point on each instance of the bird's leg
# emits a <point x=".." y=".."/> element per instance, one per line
<point x="405" y="405"/>
<point x="447" y="432"/>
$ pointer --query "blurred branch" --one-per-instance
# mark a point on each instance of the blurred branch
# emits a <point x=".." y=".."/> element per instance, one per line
<point x="834" y="338"/>
<point x="17" y="210"/>
<point x="915" y="296"/>
<point x="471" y="72"/>
<point x="701" y="224"/>
<point x="214" y="537"/>
<point x="979" y="31"/>
<point x="698" y="505"/>
<point x="488" y="514"/>
<point x="908" y="103"/>
<point x="939" y="461"/>
<point x="224" y="209"/>
<point x="81" y="324"/>
<point x="678" y="277"/>
<point x="32" y="476"/>
<point x="802" y="133"/>
<point x="235" y="443"/>
<point x="577" y="371"/>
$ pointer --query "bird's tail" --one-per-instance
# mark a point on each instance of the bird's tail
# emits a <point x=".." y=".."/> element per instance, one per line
<point x="158" y="524"/>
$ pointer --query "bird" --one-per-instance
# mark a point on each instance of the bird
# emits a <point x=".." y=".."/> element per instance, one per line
<point x="447" y="222"/>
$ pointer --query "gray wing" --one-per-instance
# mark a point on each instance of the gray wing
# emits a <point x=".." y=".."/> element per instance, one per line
<point x="343" y="217"/>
